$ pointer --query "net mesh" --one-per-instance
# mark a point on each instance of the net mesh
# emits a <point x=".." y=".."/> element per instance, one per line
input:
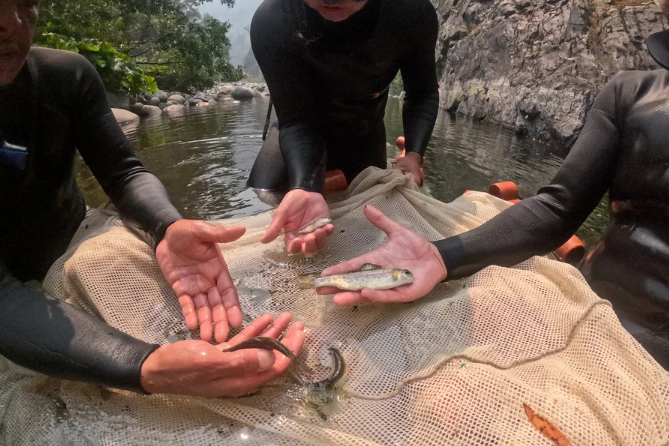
<point x="454" y="367"/>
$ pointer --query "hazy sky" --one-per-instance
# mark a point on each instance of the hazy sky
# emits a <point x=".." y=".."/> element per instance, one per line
<point x="239" y="17"/>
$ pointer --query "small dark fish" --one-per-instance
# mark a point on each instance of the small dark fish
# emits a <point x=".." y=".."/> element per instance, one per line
<point x="272" y="344"/>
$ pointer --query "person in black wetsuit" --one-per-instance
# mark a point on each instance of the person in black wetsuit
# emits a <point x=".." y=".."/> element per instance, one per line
<point x="51" y="104"/>
<point x="623" y="148"/>
<point x="329" y="65"/>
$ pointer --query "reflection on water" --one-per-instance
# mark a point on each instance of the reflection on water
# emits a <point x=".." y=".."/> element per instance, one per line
<point x="204" y="155"/>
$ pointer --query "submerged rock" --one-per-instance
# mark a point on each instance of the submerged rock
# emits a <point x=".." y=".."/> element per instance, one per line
<point x="125" y="117"/>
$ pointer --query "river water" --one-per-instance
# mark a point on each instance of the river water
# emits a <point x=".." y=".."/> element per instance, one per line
<point x="203" y="155"/>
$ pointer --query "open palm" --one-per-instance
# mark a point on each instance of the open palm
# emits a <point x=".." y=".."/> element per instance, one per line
<point x="403" y="250"/>
<point x="193" y="265"/>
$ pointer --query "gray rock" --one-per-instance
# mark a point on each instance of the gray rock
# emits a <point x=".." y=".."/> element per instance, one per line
<point x="243" y="94"/>
<point x="535" y="67"/>
<point x="161" y="95"/>
<point x="200" y="95"/>
<point x="173" y="108"/>
<point x="226" y="90"/>
<point x="187" y="96"/>
<point x="193" y="102"/>
<point x="152" y="110"/>
<point x="154" y="101"/>
<point x="176" y="98"/>
<point x="139" y="110"/>
<point x="125" y="117"/>
<point x="163" y="105"/>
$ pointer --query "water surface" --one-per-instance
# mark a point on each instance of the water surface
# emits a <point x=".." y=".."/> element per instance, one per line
<point x="204" y="155"/>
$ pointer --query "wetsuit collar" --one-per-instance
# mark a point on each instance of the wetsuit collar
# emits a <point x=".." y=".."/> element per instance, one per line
<point x="658" y="46"/>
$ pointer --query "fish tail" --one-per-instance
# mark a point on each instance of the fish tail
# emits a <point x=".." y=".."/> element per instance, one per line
<point x="306" y="281"/>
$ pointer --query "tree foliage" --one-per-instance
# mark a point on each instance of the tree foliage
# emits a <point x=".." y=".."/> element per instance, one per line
<point x="167" y="39"/>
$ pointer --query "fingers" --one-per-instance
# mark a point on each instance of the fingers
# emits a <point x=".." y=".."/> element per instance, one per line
<point x="247" y="362"/>
<point x="349" y="265"/>
<point x="308" y="243"/>
<point x="275" y="227"/>
<point x="221" y="324"/>
<point x="188" y="310"/>
<point x="253" y="330"/>
<point x="327" y="290"/>
<point x="204" y="316"/>
<point x="216" y="234"/>
<point x="378" y="219"/>
<point x="278" y="326"/>
<point x="229" y="297"/>
<point x="384" y="296"/>
<point x="348" y="298"/>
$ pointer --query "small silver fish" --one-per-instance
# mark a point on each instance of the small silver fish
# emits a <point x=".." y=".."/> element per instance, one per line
<point x="370" y="276"/>
<point x="315" y="225"/>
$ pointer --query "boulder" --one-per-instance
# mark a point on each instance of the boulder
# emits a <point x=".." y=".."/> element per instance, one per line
<point x="154" y="101"/>
<point x="226" y="90"/>
<point x="161" y="95"/>
<point x="243" y="94"/>
<point x="125" y="117"/>
<point x="176" y="98"/>
<point x="171" y="108"/>
<point x="152" y="110"/>
<point x="138" y="109"/>
<point x="163" y="105"/>
<point x="193" y="102"/>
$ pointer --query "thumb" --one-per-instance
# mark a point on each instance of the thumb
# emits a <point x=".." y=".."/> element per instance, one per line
<point x="275" y="227"/>
<point x="247" y="361"/>
<point x="217" y="234"/>
<point x="378" y="219"/>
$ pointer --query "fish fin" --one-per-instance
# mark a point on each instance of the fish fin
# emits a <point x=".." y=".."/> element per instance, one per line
<point x="306" y="281"/>
<point x="370" y="267"/>
<point x="396" y="275"/>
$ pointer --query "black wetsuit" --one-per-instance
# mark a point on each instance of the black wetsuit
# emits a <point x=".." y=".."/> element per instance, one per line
<point x="623" y="148"/>
<point x="330" y="81"/>
<point x="58" y="105"/>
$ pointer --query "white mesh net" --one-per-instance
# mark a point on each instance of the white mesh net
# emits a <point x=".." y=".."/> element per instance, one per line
<point x="454" y="367"/>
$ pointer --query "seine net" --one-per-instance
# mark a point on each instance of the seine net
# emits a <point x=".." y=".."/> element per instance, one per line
<point x="454" y="367"/>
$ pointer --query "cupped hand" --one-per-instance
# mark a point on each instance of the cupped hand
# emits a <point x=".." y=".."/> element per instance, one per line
<point x="297" y="210"/>
<point x="403" y="250"/>
<point x="192" y="263"/>
<point x="198" y="368"/>
<point x="411" y="164"/>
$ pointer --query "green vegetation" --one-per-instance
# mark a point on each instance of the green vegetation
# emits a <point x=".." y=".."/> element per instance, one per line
<point x="136" y="44"/>
<point x="397" y="86"/>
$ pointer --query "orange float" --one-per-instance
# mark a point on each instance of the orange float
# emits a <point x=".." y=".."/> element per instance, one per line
<point x="335" y="181"/>
<point x="571" y="252"/>
<point x="506" y="190"/>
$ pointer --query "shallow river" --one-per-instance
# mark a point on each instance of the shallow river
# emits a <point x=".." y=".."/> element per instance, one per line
<point x="203" y="155"/>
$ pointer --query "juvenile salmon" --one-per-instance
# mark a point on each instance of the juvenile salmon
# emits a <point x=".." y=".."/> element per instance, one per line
<point x="369" y="276"/>
<point x="315" y="225"/>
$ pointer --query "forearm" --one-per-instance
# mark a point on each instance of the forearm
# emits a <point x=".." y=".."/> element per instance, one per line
<point x="52" y="337"/>
<point x="419" y="114"/>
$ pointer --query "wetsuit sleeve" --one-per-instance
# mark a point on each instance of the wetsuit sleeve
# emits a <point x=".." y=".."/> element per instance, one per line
<point x="139" y="196"/>
<point x="57" y="339"/>
<point x="540" y="224"/>
<point x="292" y="92"/>
<point x="419" y="73"/>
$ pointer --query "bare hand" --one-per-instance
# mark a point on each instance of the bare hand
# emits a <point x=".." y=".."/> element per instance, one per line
<point x="200" y="369"/>
<point x="193" y="265"/>
<point x="404" y="250"/>
<point x="298" y="210"/>
<point x="411" y="164"/>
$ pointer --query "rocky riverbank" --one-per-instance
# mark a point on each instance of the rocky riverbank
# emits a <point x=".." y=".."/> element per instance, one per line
<point x="536" y="66"/>
<point x="130" y="110"/>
